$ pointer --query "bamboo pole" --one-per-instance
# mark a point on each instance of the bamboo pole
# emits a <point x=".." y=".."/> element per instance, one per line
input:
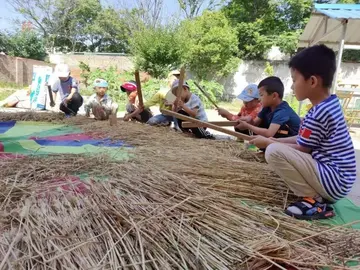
<point x="138" y="88"/>
<point x="181" y="83"/>
<point x="206" y="124"/>
<point x="217" y="123"/>
<point x="206" y="95"/>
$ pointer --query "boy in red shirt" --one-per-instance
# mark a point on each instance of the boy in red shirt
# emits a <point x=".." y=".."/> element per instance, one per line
<point x="249" y="111"/>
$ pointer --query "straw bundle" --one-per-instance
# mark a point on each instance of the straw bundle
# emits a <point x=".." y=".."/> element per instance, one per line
<point x="181" y="204"/>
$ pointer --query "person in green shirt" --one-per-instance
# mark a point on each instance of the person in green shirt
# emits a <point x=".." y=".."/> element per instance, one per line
<point x="160" y="98"/>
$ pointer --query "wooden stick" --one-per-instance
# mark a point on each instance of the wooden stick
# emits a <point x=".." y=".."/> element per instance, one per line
<point x="218" y="123"/>
<point x="181" y="83"/>
<point x="206" y="95"/>
<point x="208" y="125"/>
<point x="138" y="88"/>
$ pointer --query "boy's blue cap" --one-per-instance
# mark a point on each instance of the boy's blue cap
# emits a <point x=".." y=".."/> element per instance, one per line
<point x="101" y="83"/>
<point x="176" y="84"/>
<point x="249" y="93"/>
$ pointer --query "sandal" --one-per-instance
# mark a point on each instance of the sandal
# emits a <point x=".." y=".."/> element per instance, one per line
<point x="310" y="210"/>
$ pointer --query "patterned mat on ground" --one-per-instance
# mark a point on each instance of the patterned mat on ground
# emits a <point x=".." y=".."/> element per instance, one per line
<point x="36" y="138"/>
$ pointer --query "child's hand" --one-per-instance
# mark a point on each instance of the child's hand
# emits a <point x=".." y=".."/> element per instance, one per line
<point x="261" y="142"/>
<point x="242" y="125"/>
<point x="167" y="103"/>
<point x="246" y="119"/>
<point x="222" y="112"/>
<point x="180" y="104"/>
<point x="126" y="117"/>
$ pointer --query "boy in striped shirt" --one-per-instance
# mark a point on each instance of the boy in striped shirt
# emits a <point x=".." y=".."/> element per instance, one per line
<point x="319" y="163"/>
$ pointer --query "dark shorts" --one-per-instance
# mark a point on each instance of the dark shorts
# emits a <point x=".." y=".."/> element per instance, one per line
<point x="72" y="106"/>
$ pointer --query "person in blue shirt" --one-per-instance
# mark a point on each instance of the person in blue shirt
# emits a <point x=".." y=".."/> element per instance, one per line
<point x="277" y="119"/>
<point x="319" y="163"/>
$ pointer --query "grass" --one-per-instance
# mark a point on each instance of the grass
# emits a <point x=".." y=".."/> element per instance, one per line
<point x="6" y="89"/>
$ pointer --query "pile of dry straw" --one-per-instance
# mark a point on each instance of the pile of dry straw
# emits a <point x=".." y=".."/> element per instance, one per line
<point x="180" y="203"/>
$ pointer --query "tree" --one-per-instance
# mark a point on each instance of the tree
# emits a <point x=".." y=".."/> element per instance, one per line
<point x="156" y="50"/>
<point x="288" y="42"/>
<point x="3" y="42"/>
<point x="71" y="25"/>
<point x="108" y="32"/>
<point x="252" y="42"/>
<point x="150" y="11"/>
<point x="209" y="45"/>
<point x="192" y="8"/>
<point x="26" y="44"/>
<point x="264" y="23"/>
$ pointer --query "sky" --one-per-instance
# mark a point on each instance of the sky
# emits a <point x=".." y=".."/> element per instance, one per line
<point x="8" y="15"/>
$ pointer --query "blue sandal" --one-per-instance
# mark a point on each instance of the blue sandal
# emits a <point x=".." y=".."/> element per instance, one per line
<point x="315" y="211"/>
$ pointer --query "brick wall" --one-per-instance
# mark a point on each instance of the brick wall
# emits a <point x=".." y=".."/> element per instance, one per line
<point x="18" y="70"/>
<point x="122" y="63"/>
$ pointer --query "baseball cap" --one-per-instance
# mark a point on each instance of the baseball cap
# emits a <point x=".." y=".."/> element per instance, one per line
<point x="176" y="84"/>
<point x="100" y="83"/>
<point x="249" y="93"/>
<point x="62" y="70"/>
<point x="128" y="86"/>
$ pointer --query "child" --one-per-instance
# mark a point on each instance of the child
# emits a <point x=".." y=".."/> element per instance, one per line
<point x="160" y="99"/>
<point x="100" y="103"/>
<point x="249" y="111"/>
<point x="319" y="163"/>
<point x="276" y="119"/>
<point x="190" y="104"/>
<point x="68" y="88"/>
<point x="132" y="107"/>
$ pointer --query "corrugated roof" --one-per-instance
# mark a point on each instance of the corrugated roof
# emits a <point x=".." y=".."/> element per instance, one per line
<point x="339" y="11"/>
<point x="325" y="24"/>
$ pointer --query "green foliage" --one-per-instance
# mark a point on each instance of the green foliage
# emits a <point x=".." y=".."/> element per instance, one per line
<point x="209" y="45"/>
<point x="156" y="50"/>
<point x="264" y="23"/>
<point x="212" y="88"/>
<point x="114" y="78"/>
<point x="152" y="86"/>
<point x="294" y="104"/>
<point x="3" y="42"/>
<point x="269" y="69"/>
<point x="149" y="88"/>
<point x="351" y="56"/>
<point x="288" y="41"/>
<point x="26" y="44"/>
<point x="77" y="25"/>
<point x="253" y="45"/>
<point x="85" y="73"/>
<point x="108" y="32"/>
<point x="193" y="8"/>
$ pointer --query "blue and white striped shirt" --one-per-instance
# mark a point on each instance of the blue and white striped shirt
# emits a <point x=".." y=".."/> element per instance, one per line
<point x="324" y="131"/>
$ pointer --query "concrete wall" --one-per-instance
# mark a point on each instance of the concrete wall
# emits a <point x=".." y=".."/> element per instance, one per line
<point x="18" y="70"/>
<point x="253" y="72"/>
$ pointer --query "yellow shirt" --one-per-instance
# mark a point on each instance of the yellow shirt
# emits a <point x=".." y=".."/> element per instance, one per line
<point x="158" y="98"/>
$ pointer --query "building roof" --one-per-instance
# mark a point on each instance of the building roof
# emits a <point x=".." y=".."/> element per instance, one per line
<point x="325" y="25"/>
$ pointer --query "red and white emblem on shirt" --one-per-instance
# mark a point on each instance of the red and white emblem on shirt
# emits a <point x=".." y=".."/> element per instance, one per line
<point x="305" y="133"/>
